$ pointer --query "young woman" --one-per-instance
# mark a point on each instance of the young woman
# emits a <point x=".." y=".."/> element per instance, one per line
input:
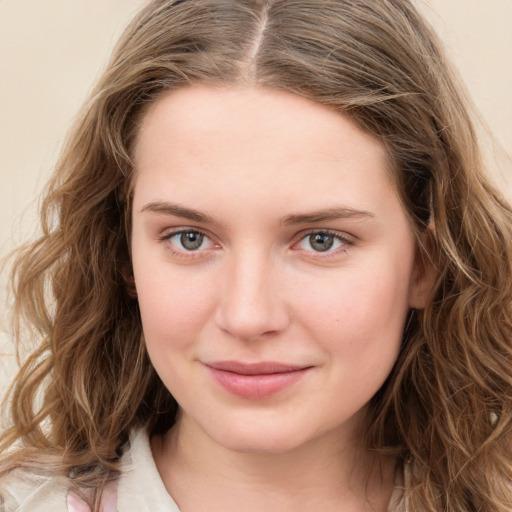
<point x="272" y="276"/>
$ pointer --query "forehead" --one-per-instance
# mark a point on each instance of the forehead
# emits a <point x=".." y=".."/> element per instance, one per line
<point x="251" y="113"/>
<point x="255" y="142"/>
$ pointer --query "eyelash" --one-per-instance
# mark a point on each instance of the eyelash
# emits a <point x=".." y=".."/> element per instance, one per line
<point x="346" y="242"/>
<point x="184" y="253"/>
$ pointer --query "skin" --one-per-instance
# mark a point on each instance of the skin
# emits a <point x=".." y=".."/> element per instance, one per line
<point x="256" y="163"/>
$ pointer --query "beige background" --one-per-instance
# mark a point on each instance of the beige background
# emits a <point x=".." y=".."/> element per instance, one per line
<point x="52" y="51"/>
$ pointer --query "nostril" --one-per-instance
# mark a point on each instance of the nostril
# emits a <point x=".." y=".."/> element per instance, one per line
<point x="247" y="321"/>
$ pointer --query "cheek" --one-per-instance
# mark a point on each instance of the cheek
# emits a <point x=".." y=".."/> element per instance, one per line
<point x="174" y="305"/>
<point x="360" y="314"/>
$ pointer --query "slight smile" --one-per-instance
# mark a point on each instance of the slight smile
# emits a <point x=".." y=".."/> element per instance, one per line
<point x="255" y="380"/>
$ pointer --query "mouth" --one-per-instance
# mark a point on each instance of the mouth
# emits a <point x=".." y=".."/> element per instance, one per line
<point x="255" y="381"/>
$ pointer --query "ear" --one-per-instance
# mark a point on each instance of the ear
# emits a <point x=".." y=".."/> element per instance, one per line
<point x="130" y="286"/>
<point x="129" y="280"/>
<point x="424" y="274"/>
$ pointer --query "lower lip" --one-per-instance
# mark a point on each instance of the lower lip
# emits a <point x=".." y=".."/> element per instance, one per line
<point x="256" y="387"/>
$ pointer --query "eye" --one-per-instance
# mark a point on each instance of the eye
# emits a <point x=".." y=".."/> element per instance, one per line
<point x="188" y="240"/>
<point x="323" y="241"/>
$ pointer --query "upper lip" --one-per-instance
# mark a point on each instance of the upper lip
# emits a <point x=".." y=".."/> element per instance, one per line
<point x="262" y="368"/>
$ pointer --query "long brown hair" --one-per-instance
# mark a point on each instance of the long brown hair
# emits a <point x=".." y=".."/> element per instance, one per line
<point x="446" y="409"/>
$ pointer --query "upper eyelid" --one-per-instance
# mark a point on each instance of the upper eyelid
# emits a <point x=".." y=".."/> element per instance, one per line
<point x="170" y="232"/>
<point x="342" y="235"/>
<point x="347" y="238"/>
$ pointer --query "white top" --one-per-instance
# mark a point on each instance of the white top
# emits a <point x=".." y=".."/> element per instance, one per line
<point x="139" y="488"/>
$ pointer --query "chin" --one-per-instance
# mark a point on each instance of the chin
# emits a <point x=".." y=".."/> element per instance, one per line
<point x="263" y="437"/>
<point x="263" y="443"/>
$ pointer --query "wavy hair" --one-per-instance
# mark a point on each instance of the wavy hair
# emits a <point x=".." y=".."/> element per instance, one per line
<point x="446" y="408"/>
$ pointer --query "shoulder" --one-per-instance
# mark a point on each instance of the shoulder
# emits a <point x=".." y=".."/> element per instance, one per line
<point x="29" y="491"/>
<point x="139" y="487"/>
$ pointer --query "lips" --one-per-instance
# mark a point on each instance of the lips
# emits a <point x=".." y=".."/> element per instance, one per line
<point x="255" y="380"/>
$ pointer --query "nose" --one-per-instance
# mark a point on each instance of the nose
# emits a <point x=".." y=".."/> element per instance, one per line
<point x="252" y="304"/>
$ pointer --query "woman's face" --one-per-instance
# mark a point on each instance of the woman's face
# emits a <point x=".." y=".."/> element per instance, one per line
<point x="273" y="263"/>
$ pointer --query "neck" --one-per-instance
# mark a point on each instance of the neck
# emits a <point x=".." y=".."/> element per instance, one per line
<point x="325" y="474"/>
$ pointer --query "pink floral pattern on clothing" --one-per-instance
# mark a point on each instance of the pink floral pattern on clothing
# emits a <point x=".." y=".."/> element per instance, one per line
<point x="108" y="500"/>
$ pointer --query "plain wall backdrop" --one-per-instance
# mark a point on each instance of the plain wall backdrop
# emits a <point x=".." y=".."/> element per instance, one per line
<point x="52" y="51"/>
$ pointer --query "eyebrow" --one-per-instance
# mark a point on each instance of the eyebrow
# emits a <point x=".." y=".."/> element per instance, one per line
<point x="176" y="210"/>
<point x="324" y="215"/>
